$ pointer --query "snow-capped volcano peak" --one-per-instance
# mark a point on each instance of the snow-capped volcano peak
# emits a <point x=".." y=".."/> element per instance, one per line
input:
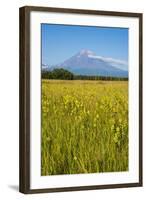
<point x="86" y="52"/>
<point x="86" y="62"/>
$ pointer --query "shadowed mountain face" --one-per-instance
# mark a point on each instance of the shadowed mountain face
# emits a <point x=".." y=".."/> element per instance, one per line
<point x="87" y="63"/>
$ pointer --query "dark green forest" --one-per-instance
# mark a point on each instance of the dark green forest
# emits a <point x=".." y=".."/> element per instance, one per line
<point x="62" y="74"/>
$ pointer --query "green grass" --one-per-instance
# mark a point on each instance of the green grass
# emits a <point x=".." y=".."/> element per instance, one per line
<point x="84" y="127"/>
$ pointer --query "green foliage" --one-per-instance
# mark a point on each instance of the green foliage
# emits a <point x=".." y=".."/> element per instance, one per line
<point x="58" y="73"/>
<point x="84" y="127"/>
<point x="62" y="74"/>
<point x="102" y="78"/>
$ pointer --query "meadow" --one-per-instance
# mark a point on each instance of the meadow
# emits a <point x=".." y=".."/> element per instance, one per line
<point x="84" y="127"/>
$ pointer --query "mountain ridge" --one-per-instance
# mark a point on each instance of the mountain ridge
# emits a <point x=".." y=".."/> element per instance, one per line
<point x="86" y="62"/>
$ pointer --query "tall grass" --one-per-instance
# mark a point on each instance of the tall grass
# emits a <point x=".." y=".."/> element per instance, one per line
<point x="84" y="127"/>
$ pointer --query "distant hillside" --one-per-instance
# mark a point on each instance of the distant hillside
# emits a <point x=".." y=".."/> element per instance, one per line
<point x="62" y="74"/>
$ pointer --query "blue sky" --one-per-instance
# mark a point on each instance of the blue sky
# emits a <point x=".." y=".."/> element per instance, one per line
<point x="60" y="42"/>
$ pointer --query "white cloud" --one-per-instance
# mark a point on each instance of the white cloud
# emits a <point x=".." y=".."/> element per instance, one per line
<point x="121" y="64"/>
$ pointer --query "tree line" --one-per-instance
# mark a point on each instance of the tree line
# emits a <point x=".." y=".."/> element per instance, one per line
<point x="63" y="74"/>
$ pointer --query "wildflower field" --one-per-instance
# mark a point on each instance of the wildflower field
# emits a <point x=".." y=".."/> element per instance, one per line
<point x="84" y="127"/>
